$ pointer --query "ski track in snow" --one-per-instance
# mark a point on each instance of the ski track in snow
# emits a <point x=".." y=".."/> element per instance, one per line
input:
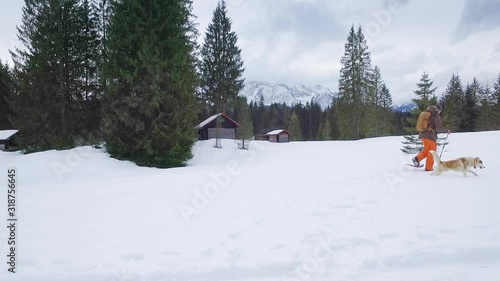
<point x="298" y="211"/>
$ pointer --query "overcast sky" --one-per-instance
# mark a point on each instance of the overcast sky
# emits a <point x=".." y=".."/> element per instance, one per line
<point x="302" y="41"/>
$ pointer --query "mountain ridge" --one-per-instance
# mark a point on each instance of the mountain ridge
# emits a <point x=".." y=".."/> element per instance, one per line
<point x="289" y="94"/>
<point x="292" y="94"/>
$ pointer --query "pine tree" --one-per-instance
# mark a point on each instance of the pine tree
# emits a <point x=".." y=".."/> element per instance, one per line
<point x="495" y="97"/>
<point x="149" y="107"/>
<point x="333" y="119"/>
<point x="222" y="65"/>
<point x="325" y="130"/>
<point x="354" y="86"/>
<point x="53" y="74"/>
<point x="257" y="114"/>
<point x="102" y="12"/>
<point x="294" y="128"/>
<point x="372" y="109"/>
<point x="273" y="118"/>
<point x="453" y="103"/>
<point x="89" y="47"/>
<point x="314" y="116"/>
<point x="470" y="112"/>
<point x="243" y="116"/>
<point x="5" y="93"/>
<point x="425" y="97"/>
<point x="401" y="123"/>
<point x="284" y="115"/>
<point x="385" y="114"/>
<point x="378" y="107"/>
<point x="305" y="121"/>
<point x="485" y="118"/>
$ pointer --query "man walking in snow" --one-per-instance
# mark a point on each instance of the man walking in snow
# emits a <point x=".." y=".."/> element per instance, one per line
<point x="429" y="137"/>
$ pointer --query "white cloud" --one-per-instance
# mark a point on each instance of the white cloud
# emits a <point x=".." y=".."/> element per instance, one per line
<point x="10" y="16"/>
<point x="478" y="16"/>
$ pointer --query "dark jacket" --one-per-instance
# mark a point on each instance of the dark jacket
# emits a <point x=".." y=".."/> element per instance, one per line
<point x="435" y="125"/>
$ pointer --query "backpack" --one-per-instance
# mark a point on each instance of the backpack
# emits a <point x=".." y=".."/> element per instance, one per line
<point x="423" y="121"/>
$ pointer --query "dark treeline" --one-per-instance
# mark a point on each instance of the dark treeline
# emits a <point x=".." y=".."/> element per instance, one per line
<point x="129" y="74"/>
<point x="310" y="122"/>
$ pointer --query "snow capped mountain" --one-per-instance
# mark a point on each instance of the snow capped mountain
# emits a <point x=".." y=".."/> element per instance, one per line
<point x="288" y="94"/>
<point x="293" y="94"/>
<point x="405" y="107"/>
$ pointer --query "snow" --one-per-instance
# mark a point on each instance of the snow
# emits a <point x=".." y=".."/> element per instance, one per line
<point x="5" y="134"/>
<point x="207" y="121"/>
<point x="276" y="132"/>
<point x="287" y="93"/>
<point x="350" y="210"/>
<point x="212" y="118"/>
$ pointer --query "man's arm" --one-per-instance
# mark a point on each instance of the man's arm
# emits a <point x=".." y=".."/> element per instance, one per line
<point x="438" y="126"/>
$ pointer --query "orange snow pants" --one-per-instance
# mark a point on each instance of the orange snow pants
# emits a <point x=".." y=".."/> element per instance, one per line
<point x="428" y="146"/>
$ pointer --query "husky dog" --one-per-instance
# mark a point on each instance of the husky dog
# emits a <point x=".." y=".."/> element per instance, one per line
<point x="459" y="165"/>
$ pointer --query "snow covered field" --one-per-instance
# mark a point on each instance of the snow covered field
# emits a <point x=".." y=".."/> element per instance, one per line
<point x="300" y="211"/>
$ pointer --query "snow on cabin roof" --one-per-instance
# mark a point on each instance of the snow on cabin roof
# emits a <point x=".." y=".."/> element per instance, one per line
<point x="208" y="120"/>
<point x="6" y="134"/>
<point x="277" y="132"/>
<point x="212" y="118"/>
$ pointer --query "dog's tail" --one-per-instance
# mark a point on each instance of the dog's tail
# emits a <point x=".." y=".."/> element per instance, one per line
<point x="436" y="157"/>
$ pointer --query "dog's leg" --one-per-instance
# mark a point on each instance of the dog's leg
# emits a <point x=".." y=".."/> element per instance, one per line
<point x="435" y="172"/>
<point x="470" y="171"/>
<point x="438" y="171"/>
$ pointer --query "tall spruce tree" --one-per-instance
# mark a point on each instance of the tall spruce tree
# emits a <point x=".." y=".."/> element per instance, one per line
<point x="221" y="66"/>
<point x="304" y="114"/>
<point x="243" y="116"/>
<point x="325" y="129"/>
<point x="470" y="111"/>
<point x="354" y="86"/>
<point x="453" y="103"/>
<point x="294" y="128"/>
<point x="385" y="114"/>
<point x="53" y="74"/>
<point x="371" y="124"/>
<point x="5" y="93"/>
<point x="150" y="105"/>
<point x="496" y="104"/>
<point x="485" y="118"/>
<point x="89" y="47"/>
<point x="314" y="120"/>
<point x="258" y="113"/>
<point x="102" y="11"/>
<point x="333" y="119"/>
<point x="425" y="97"/>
